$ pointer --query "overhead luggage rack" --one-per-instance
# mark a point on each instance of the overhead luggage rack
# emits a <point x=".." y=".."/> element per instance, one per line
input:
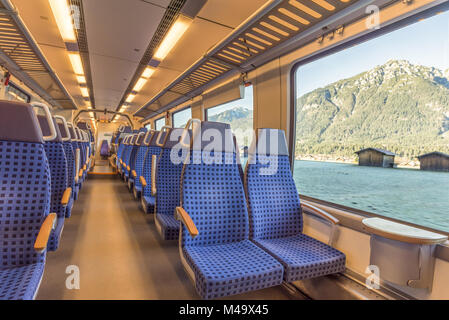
<point x="23" y="58"/>
<point x="275" y="24"/>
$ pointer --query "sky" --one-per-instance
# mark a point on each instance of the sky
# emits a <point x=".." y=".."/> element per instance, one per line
<point x="425" y="43"/>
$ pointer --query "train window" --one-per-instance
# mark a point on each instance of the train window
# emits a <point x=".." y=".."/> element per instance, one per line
<point x="14" y="93"/>
<point x="181" y="117"/>
<point x="148" y="126"/>
<point x="366" y="115"/>
<point x="239" y="114"/>
<point x="159" y="123"/>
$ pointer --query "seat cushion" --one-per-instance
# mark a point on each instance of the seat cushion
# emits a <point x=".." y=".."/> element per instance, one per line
<point x="55" y="236"/>
<point x="169" y="226"/>
<point x="228" y="269"/>
<point x="304" y="257"/>
<point x="148" y="204"/>
<point x="21" y="283"/>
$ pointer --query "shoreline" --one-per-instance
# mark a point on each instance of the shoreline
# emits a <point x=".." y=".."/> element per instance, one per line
<point x="353" y="162"/>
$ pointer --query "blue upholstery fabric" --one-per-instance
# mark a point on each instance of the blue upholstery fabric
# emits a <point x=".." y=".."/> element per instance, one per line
<point x="58" y="168"/>
<point x="21" y="283"/>
<point x="24" y="204"/>
<point x="213" y="194"/>
<point x="221" y="257"/>
<point x="140" y="157"/>
<point x="233" y="268"/>
<point x="304" y="257"/>
<point x="68" y="149"/>
<point x="168" y="180"/>
<point x="24" y="201"/>
<point x="104" y="149"/>
<point x="276" y="217"/>
<point x="169" y="226"/>
<point x="147" y="165"/>
<point x="273" y="200"/>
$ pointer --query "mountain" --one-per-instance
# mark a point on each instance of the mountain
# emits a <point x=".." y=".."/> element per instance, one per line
<point x="241" y="120"/>
<point x="396" y="106"/>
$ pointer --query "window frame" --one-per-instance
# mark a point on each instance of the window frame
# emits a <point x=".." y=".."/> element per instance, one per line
<point x="159" y="119"/>
<point x="16" y="87"/>
<point x="178" y="111"/>
<point x="295" y="65"/>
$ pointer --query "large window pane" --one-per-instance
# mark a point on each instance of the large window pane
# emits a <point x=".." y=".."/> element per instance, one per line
<point x="181" y="117"/>
<point x="159" y="123"/>
<point x="148" y="126"/>
<point x="390" y="94"/>
<point x="239" y="114"/>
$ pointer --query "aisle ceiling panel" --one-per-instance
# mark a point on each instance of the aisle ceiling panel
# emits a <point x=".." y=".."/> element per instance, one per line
<point x="215" y="21"/>
<point x="118" y="32"/>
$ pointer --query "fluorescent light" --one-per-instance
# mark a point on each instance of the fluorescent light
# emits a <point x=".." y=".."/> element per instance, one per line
<point x="130" y="98"/>
<point x="77" y="65"/>
<point x="84" y="92"/>
<point x="174" y="34"/>
<point x="63" y="17"/>
<point x="148" y="72"/>
<point x="91" y="114"/>
<point x="139" y="85"/>
<point x="81" y="79"/>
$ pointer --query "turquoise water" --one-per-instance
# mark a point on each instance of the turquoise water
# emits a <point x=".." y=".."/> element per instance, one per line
<point x="419" y="197"/>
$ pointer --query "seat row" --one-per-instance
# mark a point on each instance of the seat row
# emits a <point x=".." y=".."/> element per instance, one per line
<point x="43" y="163"/>
<point x="238" y="231"/>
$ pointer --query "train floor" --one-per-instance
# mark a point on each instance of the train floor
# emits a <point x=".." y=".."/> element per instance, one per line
<point x="117" y="252"/>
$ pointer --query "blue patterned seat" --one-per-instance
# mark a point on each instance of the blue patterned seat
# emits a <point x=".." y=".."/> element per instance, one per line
<point x="147" y="199"/>
<point x="220" y="259"/>
<point x="68" y="149"/>
<point x="132" y="159"/>
<point x="276" y="215"/>
<point x="120" y="151"/>
<point x="140" y="158"/>
<point x="24" y="201"/>
<point x="77" y="159"/>
<point x="168" y="180"/>
<point x="126" y="155"/>
<point x="58" y="169"/>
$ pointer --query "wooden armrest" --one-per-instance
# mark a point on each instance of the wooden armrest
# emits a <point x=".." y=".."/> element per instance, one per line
<point x="121" y="161"/>
<point x="84" y="167"/>
<point x="44" y="233"/>
<point x="153" y="175"/>
<point x="128" y="168"/>
<point x="184" y="217"/>
<point x="80" y="174"/>
<point x="134" y="173"/>
<point x="66" y="196"/>
<point x="143" y="181"/>
<point x="320" y="213"/>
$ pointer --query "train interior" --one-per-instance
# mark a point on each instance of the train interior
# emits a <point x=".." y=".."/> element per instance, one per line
<point x="210" y="149"/>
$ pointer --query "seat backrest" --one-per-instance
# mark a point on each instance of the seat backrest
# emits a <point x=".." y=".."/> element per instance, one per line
<point x="68" y="149"/>
<point x="140" y="157"/>
<point x="58" y="167"/>
<point x="134" y="149"/>
<point x="25" y="184"/>
<point x="121" y="148"/>
<point x="104" y="149"/>
<point x="273" y="200"/>
<point x="212" y="190"/>
<point x="168" y="174"/>
<point x="80" y="146"/>
<point x="128" y="148"/>
<point x="153" y="150"/>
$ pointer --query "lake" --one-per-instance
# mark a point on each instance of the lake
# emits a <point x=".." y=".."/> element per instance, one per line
<point x="419" y="197"/>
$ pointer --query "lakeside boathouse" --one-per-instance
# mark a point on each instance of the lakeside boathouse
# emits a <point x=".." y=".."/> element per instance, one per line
<point x="434" y="161"/>
<point x="374" y="157"/>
